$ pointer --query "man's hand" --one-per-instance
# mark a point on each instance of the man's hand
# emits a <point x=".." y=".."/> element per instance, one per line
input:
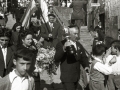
<point x="50" y="35"/>
<point x="112" y="61"/>
<point x="41" y="39"/>
<point x="68" y="43"/>
<point x="35" y="41"/>
<point x="108" y="52"/>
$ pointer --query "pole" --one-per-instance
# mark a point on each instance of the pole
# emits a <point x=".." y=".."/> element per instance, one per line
<point x="6" y="3"/>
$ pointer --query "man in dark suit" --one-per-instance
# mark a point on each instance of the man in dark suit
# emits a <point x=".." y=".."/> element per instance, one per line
<point x="51" y="32"/>
<point x="70" y="63"/>
<point x="6" y="53"/>
<point x="78" y="15"/>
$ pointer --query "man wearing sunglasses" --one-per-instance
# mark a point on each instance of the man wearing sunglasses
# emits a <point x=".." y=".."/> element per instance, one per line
<point x="6" y="52"/>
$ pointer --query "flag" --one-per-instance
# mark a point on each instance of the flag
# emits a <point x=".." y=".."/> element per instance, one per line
<point x="44" y="8"/>
<point x="25" y="20"/>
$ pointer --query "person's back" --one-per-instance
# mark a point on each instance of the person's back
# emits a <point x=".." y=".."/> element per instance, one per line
<point x="78" y="11"/>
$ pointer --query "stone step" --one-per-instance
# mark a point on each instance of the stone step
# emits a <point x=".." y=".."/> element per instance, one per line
<point x="86" y="39"/>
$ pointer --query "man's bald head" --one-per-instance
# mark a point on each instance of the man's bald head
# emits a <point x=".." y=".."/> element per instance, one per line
<point x="73" y="32"/>
<point x="73" y="29"/>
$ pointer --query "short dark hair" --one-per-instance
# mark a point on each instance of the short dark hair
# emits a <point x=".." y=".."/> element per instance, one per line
<point x="50" y="7"/>
<point x="99" y="49"/>
<point x="24" y="33"/>
<point x="108" y="40"/>
<point x="16" y="25"/>
<point x="51" y="15"/>
<point x="5" y="32"/>
<point x="26" y="54"/>
<point x="71" y="26"/>
<point x="116" y="44"/>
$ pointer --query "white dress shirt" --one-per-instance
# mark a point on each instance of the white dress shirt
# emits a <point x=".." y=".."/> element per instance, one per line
<point x="4" y="51"/>
<point x="108" y="58"/>
<point x="103" y="68"/>
<point x="116" y="66"/>
<point x="18" y="83"/>
<point x="51" y="25"/>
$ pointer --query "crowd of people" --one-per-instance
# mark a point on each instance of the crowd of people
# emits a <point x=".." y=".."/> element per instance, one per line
<point x="19" y="48"/>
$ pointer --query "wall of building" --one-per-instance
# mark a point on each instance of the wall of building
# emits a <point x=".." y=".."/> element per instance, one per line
<point x="94" y="12"/>
<point x="112" y="17"/>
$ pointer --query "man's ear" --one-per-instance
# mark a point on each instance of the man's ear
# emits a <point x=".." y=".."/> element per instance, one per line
<point x="14" y="61"/>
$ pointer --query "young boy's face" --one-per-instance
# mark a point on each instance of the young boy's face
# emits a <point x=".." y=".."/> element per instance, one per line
<point x="22" y="66"/>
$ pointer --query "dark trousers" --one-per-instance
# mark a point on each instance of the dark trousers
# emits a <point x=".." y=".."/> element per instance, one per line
<point x="69" y="85"/>
<point x="113" y="82"/>
<point x="37" y="82"/>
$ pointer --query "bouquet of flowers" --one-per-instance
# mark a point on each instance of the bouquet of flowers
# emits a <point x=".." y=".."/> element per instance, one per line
<point x="45" y="60"/>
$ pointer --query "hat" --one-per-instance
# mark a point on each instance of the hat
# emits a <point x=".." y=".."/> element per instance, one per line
<point x="50" y="6"/>
<point x="51" y="15"/>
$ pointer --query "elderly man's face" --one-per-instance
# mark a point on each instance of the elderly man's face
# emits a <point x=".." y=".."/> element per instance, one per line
<point x="73" y="33"/>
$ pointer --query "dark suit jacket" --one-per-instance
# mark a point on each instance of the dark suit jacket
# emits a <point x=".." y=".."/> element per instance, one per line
<point x="14" y="38"/>
<point x="78" y="11"/>
<point x="56" y="32"/>
<point x="70" y="64"/>
<point x="9" y="62"/>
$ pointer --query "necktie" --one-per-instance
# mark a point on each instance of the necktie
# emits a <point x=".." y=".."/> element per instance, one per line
<point x="4" y="50"/>
<point x="51" y="26"/>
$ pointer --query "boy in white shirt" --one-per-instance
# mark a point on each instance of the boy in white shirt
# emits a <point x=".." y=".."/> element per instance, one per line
<point x="114" y="79"/>
<point x="19" y="79"/>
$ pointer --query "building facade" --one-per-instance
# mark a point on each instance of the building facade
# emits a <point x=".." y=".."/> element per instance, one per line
<point x="95" y="13"/>
<point x="112" y="17"/>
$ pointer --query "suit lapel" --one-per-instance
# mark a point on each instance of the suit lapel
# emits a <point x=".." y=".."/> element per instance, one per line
<point x="8" y="56"/>
<point x="49" y="29"/>
<point x="78" y="47"/>
<point x="54" y="27"/>
<point x="1" y="54"/>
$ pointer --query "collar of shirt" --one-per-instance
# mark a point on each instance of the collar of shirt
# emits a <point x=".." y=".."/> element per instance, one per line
<point x="51" y="24"/>
<point x="2" y="47"/>
<point x="100" y="26"/>
<point x="13" y="75"/>
<point x="98" y="59"/>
